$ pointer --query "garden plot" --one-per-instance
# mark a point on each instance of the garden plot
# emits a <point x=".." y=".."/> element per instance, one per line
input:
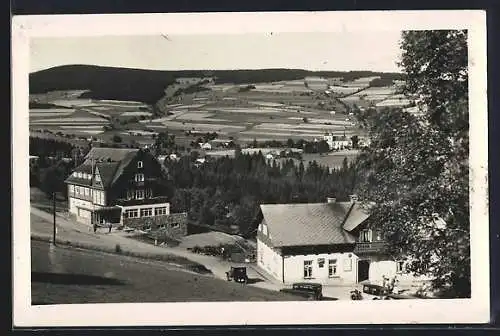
<point x="270" y="126"/>
<point x="136" y="114"/>
<point x="281" y="134"/>
<point x="220" y="87"/>
<point x="183" y="107"/>
<point x="323" y="121"/>
<point x="254" y="110"/>
<point x="343" y="89"/>
<point x="73" y="102"/>
<point x="393" y="102"/>
<point x="52" y="112"/>
<point x="203" y="127"/>
<point x="265" y="103"/>
<point x="386" y="90"/>
<point x="127" y="103"/>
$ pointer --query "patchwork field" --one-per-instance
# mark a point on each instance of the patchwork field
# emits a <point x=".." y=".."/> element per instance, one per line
<point x="262" y="111"/>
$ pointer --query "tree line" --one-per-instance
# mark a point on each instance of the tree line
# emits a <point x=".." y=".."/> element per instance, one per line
<point x="228" y="191"/>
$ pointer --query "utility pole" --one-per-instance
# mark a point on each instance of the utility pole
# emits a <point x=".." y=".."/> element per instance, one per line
<point x="54" y="213"/>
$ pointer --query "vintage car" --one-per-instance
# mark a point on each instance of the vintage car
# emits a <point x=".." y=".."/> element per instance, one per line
<point x="309" y="290"/>
<point x="238" y="274"/>
<point x="375" y="292"/>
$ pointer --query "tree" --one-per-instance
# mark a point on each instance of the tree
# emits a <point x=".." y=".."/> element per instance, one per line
<point x="117" y="138"/>
<point x="323" y="147"/>
<point x="416" y="170"/>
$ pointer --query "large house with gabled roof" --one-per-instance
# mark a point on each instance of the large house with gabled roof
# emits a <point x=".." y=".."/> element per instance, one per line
<point x="330" y="243"/>
<point x="122" y="187"/>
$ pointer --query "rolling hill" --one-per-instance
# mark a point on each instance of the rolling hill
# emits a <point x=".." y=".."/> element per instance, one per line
<point x="148" y="85"/>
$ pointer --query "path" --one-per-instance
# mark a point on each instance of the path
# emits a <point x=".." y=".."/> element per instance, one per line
<point x="70" y="230"/>
<point x="74" y="231"/>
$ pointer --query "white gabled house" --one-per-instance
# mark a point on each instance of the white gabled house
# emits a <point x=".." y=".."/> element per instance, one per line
<point x="327" y="243"/>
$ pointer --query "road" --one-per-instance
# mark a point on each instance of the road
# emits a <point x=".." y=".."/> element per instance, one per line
<point x="69" y="275"/>
<point x="68" y="230"/>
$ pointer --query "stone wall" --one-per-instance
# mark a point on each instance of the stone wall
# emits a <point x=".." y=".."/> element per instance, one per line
<point x="174" y="224"/>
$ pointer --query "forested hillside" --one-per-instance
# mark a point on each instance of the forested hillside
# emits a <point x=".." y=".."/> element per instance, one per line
<point x="148" y="85"/>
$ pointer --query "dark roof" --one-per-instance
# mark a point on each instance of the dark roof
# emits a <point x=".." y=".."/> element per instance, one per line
<point x="110" y="162"/>
<point x="104" y="154"/>
<point x="107" y="172"/>
<point x="311" y="223"/>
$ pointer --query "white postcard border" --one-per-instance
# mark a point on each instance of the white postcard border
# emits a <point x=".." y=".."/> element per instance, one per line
<point x="474" y="310"/>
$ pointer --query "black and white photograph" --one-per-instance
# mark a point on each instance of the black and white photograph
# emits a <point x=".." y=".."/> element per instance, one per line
<point x="310" y="165"/>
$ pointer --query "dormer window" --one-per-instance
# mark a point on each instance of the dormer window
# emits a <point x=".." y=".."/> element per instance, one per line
<point x="139" y="164"/>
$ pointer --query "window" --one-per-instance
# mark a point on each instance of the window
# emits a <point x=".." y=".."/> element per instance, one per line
<point x="71" y="188"/>
<point x="365" y="236"/>
<point x="175" y="225"/>
<point x="139" y="194"/>
<point x="75" y="174"/>
<point x="160" y="211"/>
<point x="79" y="175"/>
<point x="130" y="194"/>
<point x="97" y="178"/>
<point x="139" y="177"/>
<point x="308" y="269"/>
<point x="378" y="235"/>
<point x="131" y="213"/>
<point x="332" y="267"/>
<point x="77" y="190"/>
<point x="347" y="265"/>
<point x="400" y="266"/>
<point x="147" y="212"/>
<point x="87" y="191"/>
<point x="321" y="262"/>
<point x="139" y="164"/>
<point x="148" y="193"/>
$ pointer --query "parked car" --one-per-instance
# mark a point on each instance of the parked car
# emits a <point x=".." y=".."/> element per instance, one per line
<point x="309" y="290"/>
<point x="375" y="292"/>
<point x="238" y="274"/>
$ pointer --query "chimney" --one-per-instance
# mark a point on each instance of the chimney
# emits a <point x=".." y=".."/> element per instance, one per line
<point x="331" y="200"/>
<point x="354" y="198"/>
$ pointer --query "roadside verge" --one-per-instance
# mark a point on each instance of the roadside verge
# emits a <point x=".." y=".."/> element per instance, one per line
<point x="169" y="259"/>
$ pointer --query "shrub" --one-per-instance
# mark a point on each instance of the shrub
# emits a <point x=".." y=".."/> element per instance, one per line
<point x="118" y="248"/>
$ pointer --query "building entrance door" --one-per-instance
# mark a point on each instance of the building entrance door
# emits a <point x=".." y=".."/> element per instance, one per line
<point x="363" y="269"/>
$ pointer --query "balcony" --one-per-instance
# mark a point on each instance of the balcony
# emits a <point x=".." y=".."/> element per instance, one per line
<point x="145" y="201"/>
<point x="370" y="247"/>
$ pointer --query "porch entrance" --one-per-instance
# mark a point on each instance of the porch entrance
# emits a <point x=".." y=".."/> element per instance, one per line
<point x="363" y="269"/>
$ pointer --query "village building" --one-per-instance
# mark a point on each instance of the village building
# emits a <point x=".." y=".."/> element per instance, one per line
<point x="205" y="146"/>
<point x="329" y="243"/>
<point x="336" y="142"/>
<point x="122" y="187"/>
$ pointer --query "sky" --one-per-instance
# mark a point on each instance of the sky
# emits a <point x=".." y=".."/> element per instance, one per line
<point x="341" y="51"/>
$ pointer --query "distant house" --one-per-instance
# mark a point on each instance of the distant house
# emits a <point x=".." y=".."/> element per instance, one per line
<point x="174" y="157"/>
<point x="337" y="143"/>
<point x="121" y="187"/>
<point x="206" y="146"/>
<point x="329" y="243"/>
